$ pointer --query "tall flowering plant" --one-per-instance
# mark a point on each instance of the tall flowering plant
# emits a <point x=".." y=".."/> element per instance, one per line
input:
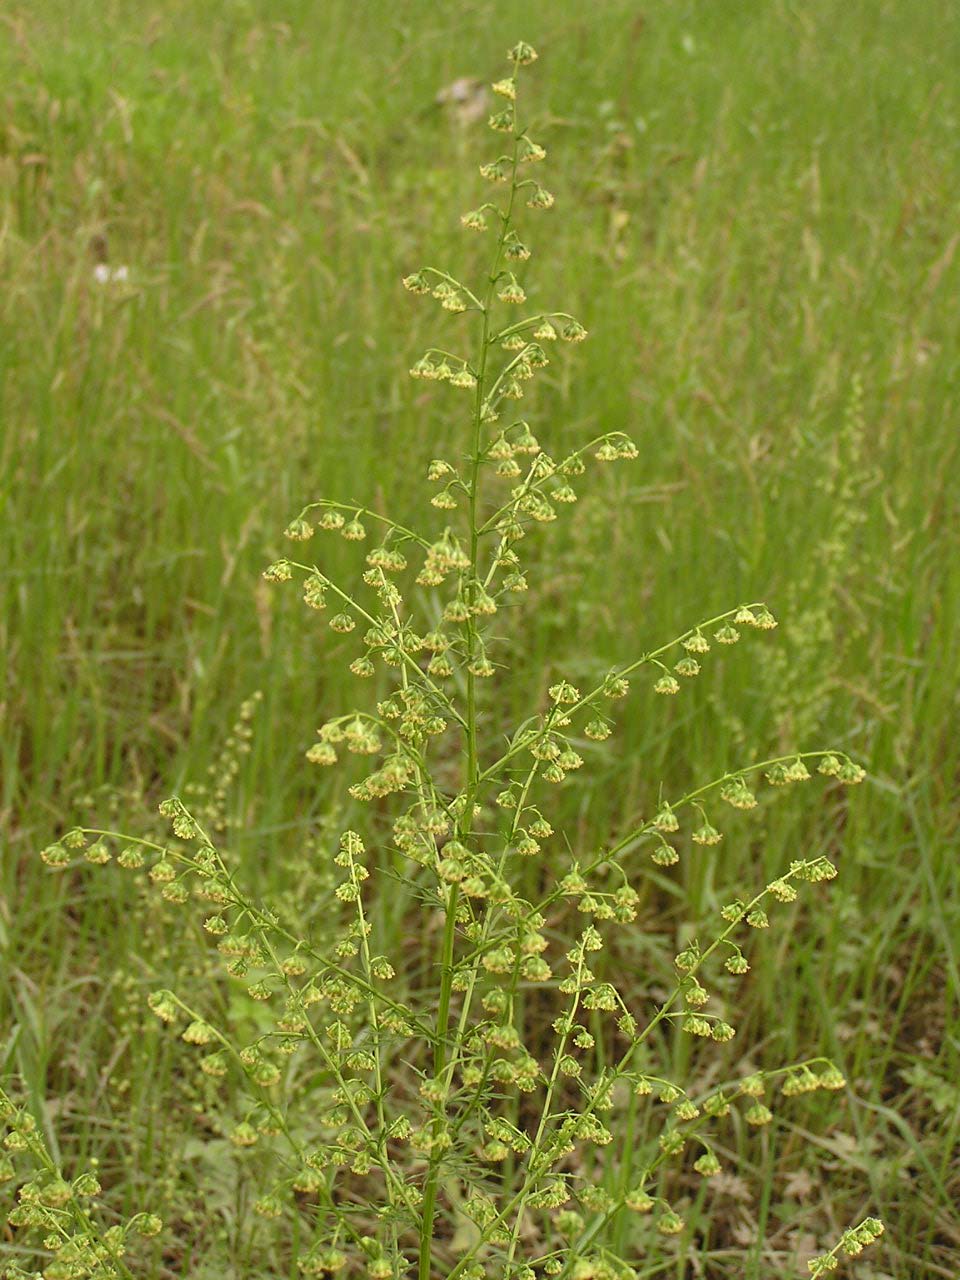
<point x="488" y="1096"/>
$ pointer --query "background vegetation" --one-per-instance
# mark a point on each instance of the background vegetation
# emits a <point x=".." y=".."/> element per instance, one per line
<point x="757" y="221"/>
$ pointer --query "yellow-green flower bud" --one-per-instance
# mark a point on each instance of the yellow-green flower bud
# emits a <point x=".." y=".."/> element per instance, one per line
<point x="522" y="53"/>
<point x="666" y="819"/>
<point x="279" y="571"/>
<point x="706" y="834"/>
<point x="496" y="170"/>
<point x="417" y="283"/>
<point x="573" y="331"/>
<point x="667" y="684"/>
<point x="530" y="152"/>
<point x="540" y="199"/>
<point x="502" y="121"/>
<point x="738" y="795"/>
<point x="474" y="220"/>
<point x="510" y="290"/>
<point x="56" y="856"/>
<point x="758" y="1115"/>
<point x="696" y="643"/>
<point x="164" y="1005"/>
<point x="850" y="774"/>
<point x="299" y="530"/>
<point x="688" y="667"/>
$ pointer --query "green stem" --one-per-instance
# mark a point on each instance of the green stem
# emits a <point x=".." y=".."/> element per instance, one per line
<point x="472" y="771"/>
<point x="270" y="921"/>
<point x="439" y="1059"/>
<point x="524" y="742"/>
<point x="645" y="829"/>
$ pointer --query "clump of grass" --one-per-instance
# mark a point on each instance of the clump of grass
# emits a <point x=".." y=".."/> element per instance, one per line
<point x="478" y="1097"/>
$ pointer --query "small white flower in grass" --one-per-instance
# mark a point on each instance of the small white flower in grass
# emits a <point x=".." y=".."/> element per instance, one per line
<point x="104" y="274"/>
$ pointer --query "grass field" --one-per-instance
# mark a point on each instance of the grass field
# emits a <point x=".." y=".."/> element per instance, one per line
<point x="757" y="221"/>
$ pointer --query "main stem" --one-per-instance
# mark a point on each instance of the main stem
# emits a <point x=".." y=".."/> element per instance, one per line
<point x="472" y="771"/>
